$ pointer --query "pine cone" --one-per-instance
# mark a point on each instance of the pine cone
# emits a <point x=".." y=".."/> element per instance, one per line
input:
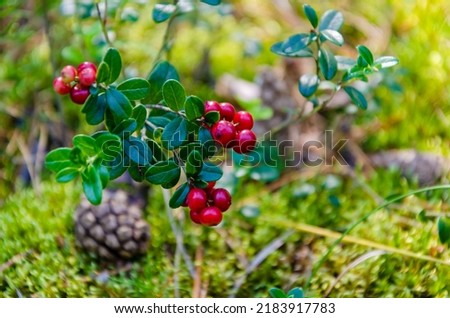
<point x="113" y="230"/>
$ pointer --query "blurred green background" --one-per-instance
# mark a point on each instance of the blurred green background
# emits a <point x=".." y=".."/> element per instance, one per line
<point x="412" y="110"/>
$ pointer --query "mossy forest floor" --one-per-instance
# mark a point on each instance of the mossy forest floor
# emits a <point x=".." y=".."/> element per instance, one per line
<point x="39" y="258"/>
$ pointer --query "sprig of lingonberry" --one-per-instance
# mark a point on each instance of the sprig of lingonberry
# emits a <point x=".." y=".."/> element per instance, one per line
<point x="76" y="81"/>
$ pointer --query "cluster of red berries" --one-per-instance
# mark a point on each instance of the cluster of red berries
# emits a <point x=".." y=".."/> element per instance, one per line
<point x="233" y="130"/>
<point x="207" y="205"/>
<point x="76" y="81"/>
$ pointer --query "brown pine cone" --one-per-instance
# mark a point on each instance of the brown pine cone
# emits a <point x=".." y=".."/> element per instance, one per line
<point x="113" y="230"/>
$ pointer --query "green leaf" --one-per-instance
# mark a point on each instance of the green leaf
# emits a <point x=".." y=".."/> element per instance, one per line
<point x="179" y="196"/>
<point x="138" y="151"/>
<point x="58" y="159"/>
<point x="331" y="20"/>
<point x="212" y="117"/>
<point x="163" y="172"/>
<point x="277" y="48"/>
<point x="444" y="230"/>
<point x="277" y="293"/>
<point x="211" y="2"/>
<point x="308" y="84"/>
<point x="114" y="61"/>
<point x="67" y="174"/>
<point x="118" y="166"/>
<point x="296" y="293"/>
<point x="385" y="62"/>
<point x="210" y="172"/>
<point x="294" y="46"/>
<point x="356" y="96"/>
<point x="194" y="108"/>
<point x="327" y="63"/>
<point x="134" y="88"/>
<point x="207" y="143"/>
<point x="333" y="36"/>
<point x="311" y="15"/>
<point x="162" y="12"/>
<point x="137" y="173"/>
<point x="365" y="55"/>
<point x="103" y="73"/>
<point x="174" y="94"/>
<point x="174" y="134"/>
<point x="344" y="63"/>
<point x="194" y="163"/>
<point x="92" y="185"/>
<point x="140" y="115"/>
<point x="162" y="72"/>
<point x="119" y="105"/>
<point x="86" y="144"/>
<point x="157" y="151"/>
<point x="126" y="127"/>
<point x="104" y="175"/>
<point x="95" y="109"/>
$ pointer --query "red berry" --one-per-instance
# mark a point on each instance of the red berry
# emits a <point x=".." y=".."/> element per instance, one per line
<point x="211" y="106"/>
<point x="210" y="216"/>
<point x="195" y="216"/>
<point x="68" y="74"/>
<point x="60" y="86"/>
<point x="224" y="133"/>
<point x="84" y="65"/>
<point x="87" y="76"/>
<point x="221" y="199"/>
<point x="196" y="199"/>
<point x="243" y="120"/>
<point x="227" y="111"/>
<point x="79" y="94"/>
<point x="246" y="141"/>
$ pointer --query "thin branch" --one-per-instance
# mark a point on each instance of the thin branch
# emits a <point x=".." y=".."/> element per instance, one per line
<point x="166" y="38"/>
<point x="165" y="108"/>
<point x="103" y="21"/>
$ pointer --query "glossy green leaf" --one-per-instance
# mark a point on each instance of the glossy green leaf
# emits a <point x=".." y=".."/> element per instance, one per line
<point x="140" y="115"/>
<point x="118" y="104"/>
<point x="162" y="72"/>
<point x="103" y="73"/>
<point x="137" y="173"/>
<point x="135" y="88"/>
<point x="308" y="84"/>
<point x="114" y="61"/>
<point x="210" y="172"/>
<point x="277" y="48"/>
<point x="58" y="159"/>
<point x="327" y="63"/>
<point x="179" y="196"/>
<point x="137" y="150"/>
<point x="126" y="127"/>
<point x="385" y="62"/>
<point x="162" y="12"/>
<point x="163" y="172"/>
<point x="174" y="134"/>
<point x="158" y="153"/>
<point x="331" y="20"/>
<point x="194" y="107"/>
<point x="209" y="147"/>
<point x="86" y="144"/>
<point x="277" y="293"/>
<point x="117" y="166"/>
<point x="333" y="36"/>
<point x="296" y="293"/>
<point x="92" y="185"/>
<point x="174" y="94"/>
<point x="95" y="109"/>
<point x="212" y="117"/>
<point x="344" y="63"/>
<point x="444" y="230"/>
<point x="110" y="146"/>
<point x="104" y="175"/>
<point x="211" y="2"/>
<point x="67" y="174"/>
<point x="356" y="96"/>
<point x="311" y="15"/>
<point x="365" y="55"/>
<point x="194" y="163"/>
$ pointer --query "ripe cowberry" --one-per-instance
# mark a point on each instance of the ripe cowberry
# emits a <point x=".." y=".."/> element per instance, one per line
<point x="68" y="74"/>
<point x="227" y="111"/>
<point x="79" y="94"/>
<point x="196" y="199"/>
<point x="224" y="133"/>
<point x="84" y="65"/>
<point x="195" y="216"/>
<point x="221" y="199"/>
<point x="87" y="76"/>
<point x="60" y="86"/>
<point x="210" y="216"/>
<point x="243" y="120"/>
<point x="246" y="141"/>
<point x="211" y="106"/>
